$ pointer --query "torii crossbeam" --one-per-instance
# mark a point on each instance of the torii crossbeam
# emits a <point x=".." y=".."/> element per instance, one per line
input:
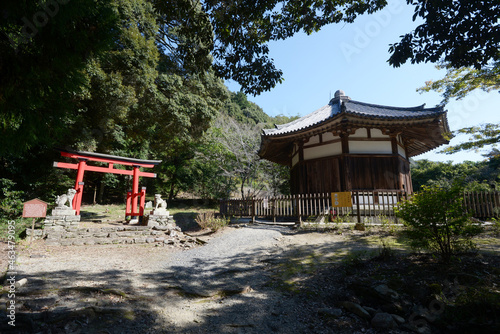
<point x="82" y="166"/>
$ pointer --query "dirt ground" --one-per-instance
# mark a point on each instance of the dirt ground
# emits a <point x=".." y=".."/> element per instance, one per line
<point x="281" y="288"/>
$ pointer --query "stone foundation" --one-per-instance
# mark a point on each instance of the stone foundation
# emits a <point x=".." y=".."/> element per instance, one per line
<point x="66" y="236"/>
<point x="160" y="220"/>
<point x="61" y="220"/>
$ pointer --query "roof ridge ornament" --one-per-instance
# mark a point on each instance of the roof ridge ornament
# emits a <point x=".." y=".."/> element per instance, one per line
<point x="339" y="97"/>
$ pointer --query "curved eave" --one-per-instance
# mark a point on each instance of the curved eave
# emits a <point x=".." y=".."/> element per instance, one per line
<point x="424" y="133"/>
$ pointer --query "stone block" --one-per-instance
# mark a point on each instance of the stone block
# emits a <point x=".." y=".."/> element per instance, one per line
<point x="53" y="242"/>
<point x="66" y="242"/>
<point x="63" y="212"/>
<point x="153" y="223"/>
<point x="72" y="218"/>
<point x="54" y="236"/>
<point x="35" y="233"/>
<point x="89" y="241"/>
<point x="128" y="240"/>
<point x="139" y="240"/>
<point x="103" y="241"/>
<point x="53" y="229"/>
<point x="150" y="240"/>
<point x="78" y="242"/>
<point x="68" y="235"/>
<point x="101" y="235"/>
<point x="159" y="212"/>
<point x="117" y="240"/>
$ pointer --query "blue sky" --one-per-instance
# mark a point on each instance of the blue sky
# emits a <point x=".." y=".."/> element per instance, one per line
<point x="353" y="57"/>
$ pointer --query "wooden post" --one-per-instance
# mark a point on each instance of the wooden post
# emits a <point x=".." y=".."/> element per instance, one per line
<point x="77" y="200"/>
<point x="274" y="209"/>
<point x="135" y="190"/>
<point x="299" y="213"/>
<point x="32" y="230"/>
<point x="357" y="207"/>
<point x="253" y="210"/>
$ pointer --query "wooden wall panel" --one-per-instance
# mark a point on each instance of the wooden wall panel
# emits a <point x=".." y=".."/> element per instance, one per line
<point x="345" y="173"/>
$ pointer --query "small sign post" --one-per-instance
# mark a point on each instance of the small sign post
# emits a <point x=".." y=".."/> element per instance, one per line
<point x="34" y="209"/>
<point x="341" y="200"/>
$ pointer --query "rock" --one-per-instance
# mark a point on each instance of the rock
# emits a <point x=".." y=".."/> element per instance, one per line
<point x="330" y="312"/>
<point x="150" y="240"/>
<point x="383" y="321"/>
<point x="356" y="309"/>
<point x="399" y="320"/>
<point x="21" y="283"/>
<point x="370" y="310"/>
<point x="385" y="292"/>
<point x="359" y="227"/>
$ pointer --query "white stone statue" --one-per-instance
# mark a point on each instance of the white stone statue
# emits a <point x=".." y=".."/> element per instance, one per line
<point x="159" y="202"/>
<point x="62" y="199"/>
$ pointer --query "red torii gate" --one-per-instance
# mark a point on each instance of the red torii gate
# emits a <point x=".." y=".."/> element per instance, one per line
<point x="82" y="166"/>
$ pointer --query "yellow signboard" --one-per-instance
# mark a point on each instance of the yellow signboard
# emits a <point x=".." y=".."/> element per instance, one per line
<point x="341" y="200"/>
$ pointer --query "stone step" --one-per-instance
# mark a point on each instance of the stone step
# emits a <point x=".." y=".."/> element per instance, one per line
<point x="184" y="241"/>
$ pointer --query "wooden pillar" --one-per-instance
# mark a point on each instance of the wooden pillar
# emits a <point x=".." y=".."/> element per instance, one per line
<point x="77" y="200"/>
<point x="345" y="178"/>
<point x="135" y="190"/>
<point x="143" y="201"/>
<point x="397" y="162"/>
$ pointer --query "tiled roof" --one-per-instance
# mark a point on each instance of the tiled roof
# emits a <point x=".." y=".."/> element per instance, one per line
<point x="344" y="105"/>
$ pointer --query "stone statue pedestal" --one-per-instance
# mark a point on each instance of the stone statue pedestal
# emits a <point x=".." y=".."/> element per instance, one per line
<point x="63" y="212"/>
<point x="65" y="217"/>
<point x="160" y="212"/>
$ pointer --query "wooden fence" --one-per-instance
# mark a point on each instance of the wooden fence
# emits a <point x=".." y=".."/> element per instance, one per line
<point x="364" y="203"/>
<point x="483" y="204"/>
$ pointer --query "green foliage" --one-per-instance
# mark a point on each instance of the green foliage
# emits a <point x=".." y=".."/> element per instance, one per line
<point x="462" y="33"/>
<point x="478" y="176"/>
<point x="435" y="220"/>
<point x="11" y="201"/>
<point x="244" y="111"/>
<point x="480" y="136"/>
<point x="207" y="220"/>
<point x="42" y="67"/>
<point x="458" y="82"/>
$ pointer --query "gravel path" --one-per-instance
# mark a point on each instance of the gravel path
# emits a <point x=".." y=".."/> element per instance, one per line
<point x="221" y="287"/>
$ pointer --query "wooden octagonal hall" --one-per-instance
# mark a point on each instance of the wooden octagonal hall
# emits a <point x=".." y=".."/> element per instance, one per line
<point x="349" y="145"/>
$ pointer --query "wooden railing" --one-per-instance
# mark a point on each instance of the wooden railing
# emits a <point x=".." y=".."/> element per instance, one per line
<point x="364" y="204"/>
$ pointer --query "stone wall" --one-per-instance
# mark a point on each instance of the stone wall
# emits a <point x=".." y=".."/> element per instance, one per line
<point x="70" y="235"/>
<point x="61" y="220"/>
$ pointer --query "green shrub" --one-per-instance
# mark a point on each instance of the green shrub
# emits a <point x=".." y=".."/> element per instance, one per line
<point x="436" y="221"/>
<point x="11" y="203"/>
<point x="208" y="220"/>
